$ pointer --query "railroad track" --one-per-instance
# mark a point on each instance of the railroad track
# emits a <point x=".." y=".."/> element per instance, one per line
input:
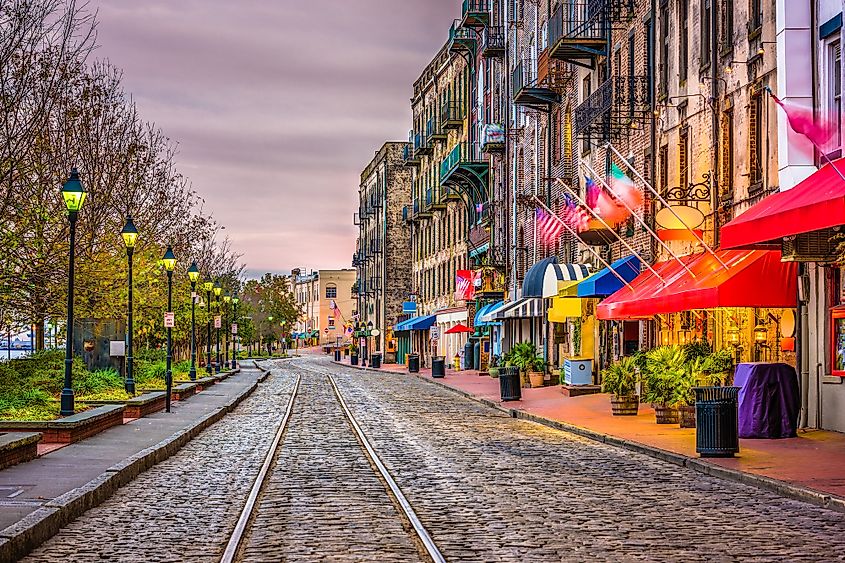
<point x="237" y="548"/>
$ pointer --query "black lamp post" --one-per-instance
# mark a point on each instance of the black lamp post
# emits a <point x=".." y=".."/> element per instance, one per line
<point x="217" y="291"/>
<point x="270" y="337"/>
<point x="208" y="286"/>
<point x="74" y="196"/>
<point x="194" y="276"/>
<point x="130" y="236"/>
<point x="235" y="301"/>
<point x="369" y="334"/>
<point x="169" y="265"/>
<point x="227" y="299"/>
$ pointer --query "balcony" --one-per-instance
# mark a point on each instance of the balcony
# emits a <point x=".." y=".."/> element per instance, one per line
<point x="375" y="246"/>
<point x="426" y="145"/>
<point x="613" y="108"/>
<point x="578" y="31"/>
<point x="462" y="40"/>
<point x="493" y="138"/>
<point x="528" y="91"/>
<point x="475" y="13"/>
<point x="493" y="42"/>
<point x="452" y="115"/>
<point x="425" y="210"/>
<point x="434" y="130"/>
<point x="465" y="167"/>
<point x="409" y="157"/>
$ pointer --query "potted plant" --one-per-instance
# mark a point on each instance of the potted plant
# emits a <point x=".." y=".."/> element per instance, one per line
<point x="620" y="380"/>
<point x="536" y="371"/>
<point x="665" y="372"/>
<point x="493" y="369"/>
<point x="720" y="366"/>
<point x="353" y="352"/>
<point x="522" y="356"/>
<point x="712" y="369"/>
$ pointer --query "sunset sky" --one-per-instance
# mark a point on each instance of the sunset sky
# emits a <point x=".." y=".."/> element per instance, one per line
<point x="277" y="106"/>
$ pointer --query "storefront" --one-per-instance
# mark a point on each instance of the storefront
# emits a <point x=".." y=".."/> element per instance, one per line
<point x="413" y="336"/>
<point x="489" y="331"/>
<point x="448" y="344"/>
<point x="802" y="225"/>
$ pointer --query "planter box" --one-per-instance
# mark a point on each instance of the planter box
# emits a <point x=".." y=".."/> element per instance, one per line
<point x="578" y="390"/>
<point x="183" y="391"/>
<point x="202" y="383"/>
<point x="17" y="447"/>
<point x="140" y="406"/>
<point x="70" y="429"/>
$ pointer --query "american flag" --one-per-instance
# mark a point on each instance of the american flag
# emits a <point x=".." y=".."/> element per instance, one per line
<point x="575" y="215"/>
<point x="549" y="226"/>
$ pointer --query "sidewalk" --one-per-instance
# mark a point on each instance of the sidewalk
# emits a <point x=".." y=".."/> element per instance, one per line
<point x="122" y="451"/>
<point x="808" y="467"/>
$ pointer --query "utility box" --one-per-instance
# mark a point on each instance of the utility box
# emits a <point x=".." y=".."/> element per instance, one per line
<point x="578" y="372"/>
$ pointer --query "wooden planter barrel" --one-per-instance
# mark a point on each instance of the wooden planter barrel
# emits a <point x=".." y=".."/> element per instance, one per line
<point x="687" y="416"/>
<point x="666" y="414"/>
<point x="625" y="406"/>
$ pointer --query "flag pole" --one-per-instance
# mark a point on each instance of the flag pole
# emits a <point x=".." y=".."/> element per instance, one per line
<point x="639" y="219"/>
<point x="669" y="207"/>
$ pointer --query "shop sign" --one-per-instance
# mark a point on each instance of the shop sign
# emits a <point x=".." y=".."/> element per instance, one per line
<point x="435" y="333"/>
<point x="409" y="307"/>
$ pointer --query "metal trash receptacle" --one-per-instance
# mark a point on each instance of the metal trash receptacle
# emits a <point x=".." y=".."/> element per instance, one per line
<point x="716" y="421"/>
<point x="509" y="384"/>
<point x="375" y="360"/>
<point x="337" y="355"/>
<point x="413" y="363"/>
<point x="438" y="366"/>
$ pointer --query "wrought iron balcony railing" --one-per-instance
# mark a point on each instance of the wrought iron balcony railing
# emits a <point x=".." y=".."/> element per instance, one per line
<point x="476" y="13"/>
<point x="462" y="153"/>
<point x="452" y="114"/>
<point x="493" y="41"/>
<point x="618" y="102"/>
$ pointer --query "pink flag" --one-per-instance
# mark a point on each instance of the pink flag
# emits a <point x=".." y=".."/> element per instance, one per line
<point x="801" y="120"/>
<point x="623" y="188"/>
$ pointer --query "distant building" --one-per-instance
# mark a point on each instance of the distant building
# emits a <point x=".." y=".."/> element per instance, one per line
<point x="315" y="293"/>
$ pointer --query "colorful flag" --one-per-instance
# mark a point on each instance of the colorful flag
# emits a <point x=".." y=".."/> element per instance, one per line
<point x="801" y="120"/>
<point x="549" y="226"/>
<point x="464" y="286"/>
<point x="479" y="208"/>
<point x="623" y="188"/>
<point x="592" y="193"/>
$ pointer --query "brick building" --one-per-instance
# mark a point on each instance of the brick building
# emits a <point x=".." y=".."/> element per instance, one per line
<point x="315" y="293"/>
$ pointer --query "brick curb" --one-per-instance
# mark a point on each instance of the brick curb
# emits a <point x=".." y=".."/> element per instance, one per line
<point x="783" y="488"/>
<point x="22" y="537"/>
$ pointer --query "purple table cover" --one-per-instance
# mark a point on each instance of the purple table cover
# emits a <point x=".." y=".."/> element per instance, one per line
<point x="769" y="400"/>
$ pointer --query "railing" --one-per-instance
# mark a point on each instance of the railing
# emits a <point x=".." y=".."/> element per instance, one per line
<point x="475" y="7"/>
<point x="616" y="98"/>
<point x="429" y="197"/>
<point x="407" y="153"/>
<point x="463" y="152"/>
<point x="493" y="39"/>
<point x="574" y="20"/>
<point x="415" y="141"/>
<point x="452" y="113"/>
<point x="458" y="33"/>
<point x="524" y="75"/>
<point x="405" y="212"/>
<point x="375" y="246"/>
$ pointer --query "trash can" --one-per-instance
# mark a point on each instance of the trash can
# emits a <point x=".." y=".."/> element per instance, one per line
<point x="716" y="428"/>
<point x="375" y="360"/>
<point x="469" y="355"/>
<point x="438" y="366"/>
<point x="509" y="384"/>
<point x="413" y="363"/>
<point x="353" y="360"/>
<point x="337" y="355"/>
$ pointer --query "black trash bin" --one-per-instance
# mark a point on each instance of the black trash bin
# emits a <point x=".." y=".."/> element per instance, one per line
<point x="375" y="360"/>
<point x="716" y="423"/>
<point x="509" y="384"/>
<point x="438" y="366"/>
<point x="413" y="363"/>
<point x="337" y="355"/>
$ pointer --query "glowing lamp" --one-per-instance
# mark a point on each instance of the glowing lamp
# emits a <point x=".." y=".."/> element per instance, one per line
<point x="73" y="193"/>
<point x="193" y="273"/>
<point x="169" y="259"/>
<point x="129" y="233"/>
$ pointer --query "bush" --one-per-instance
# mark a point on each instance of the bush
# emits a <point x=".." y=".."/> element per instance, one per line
<point x="665" y="376"/>
<point x="621" y="377"/>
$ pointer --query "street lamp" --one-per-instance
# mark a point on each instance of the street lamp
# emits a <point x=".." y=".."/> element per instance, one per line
<point x="130" y="236"/>
<point x="74" y="196"/>
<point x="208" y="286"/>
<point x="169" y="265"/>
<point x="369" y="334"/>
<point x="194" y="276"/>
<point x="270" y="337"/>
<point x="217" y="291"/>
<point x="235" y="301"/>
<point x="227" y="299"/>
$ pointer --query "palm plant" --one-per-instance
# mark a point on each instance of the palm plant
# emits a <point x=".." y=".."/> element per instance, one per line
<point x="665" y="375"/>
<point x="621" y="378"/>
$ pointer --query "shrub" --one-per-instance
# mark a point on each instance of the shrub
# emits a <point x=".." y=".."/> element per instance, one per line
<point x="621" y="377"/>
<point x="665" y="375"/>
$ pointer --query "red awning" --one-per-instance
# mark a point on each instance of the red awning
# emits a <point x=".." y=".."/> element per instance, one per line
<point x="816" y="203"/>
<point x="754" y="278"/>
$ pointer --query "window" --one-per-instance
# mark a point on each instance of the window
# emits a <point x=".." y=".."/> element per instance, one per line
<point x="706" y="31"/>
<point x="631" y="74"/>
<point x="663" y="164"/>
<point x="755" y="15"/>
<point x="586" y="90"/>
<point x="683" y="158"/>
<point x="726" y="26"/>
<point x="331" y="292"/>
<point x="649" y="60"/>
<point x="555" y="129"/>
<point x="331" y="322"/>
<point x="683" y="48"/>
<point x="834" y="94"/>
<point x="755" y="141"/>
<point x="664" y="48"/>
<point x="727" y="153"/>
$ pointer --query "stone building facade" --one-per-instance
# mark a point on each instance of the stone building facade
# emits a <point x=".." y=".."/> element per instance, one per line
<point x="383" y="256"/>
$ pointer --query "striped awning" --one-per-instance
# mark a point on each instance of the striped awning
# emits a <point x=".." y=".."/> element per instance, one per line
<point x="542" y="278"/>
<point x="524" y="308"/>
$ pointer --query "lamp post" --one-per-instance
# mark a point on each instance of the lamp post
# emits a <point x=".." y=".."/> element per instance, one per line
<point x="283" y="341"/>
<point x="169" y="265"/>
<point x="194" y="276"/>
<point x="369" y="334"/>
<point x="74" y="196"/>
<point x="217" y="291"/>
<point x="208" y="286"/>
<point x="227" y="299"/>
<point x="235" y="301"/>
<point x="270" y="337"/>
<point x="130" y="236"/>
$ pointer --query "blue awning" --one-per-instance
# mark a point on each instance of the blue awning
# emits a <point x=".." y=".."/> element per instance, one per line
<point x="480" y="250"/>
<point x="484" y="311"/>
<point x="542" y="278"/>
<point x="604" y="282"/>
<point x="423" y="322"/>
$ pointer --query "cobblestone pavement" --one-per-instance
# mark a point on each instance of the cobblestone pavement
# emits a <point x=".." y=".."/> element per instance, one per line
<point x="323" y="499"/>
<point x="492" y="488"/>
<point x="486" y="486"/>
<point x="184" y="508"/>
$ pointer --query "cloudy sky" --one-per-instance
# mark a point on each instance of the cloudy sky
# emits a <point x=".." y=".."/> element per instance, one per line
<point x="277" y="105"/>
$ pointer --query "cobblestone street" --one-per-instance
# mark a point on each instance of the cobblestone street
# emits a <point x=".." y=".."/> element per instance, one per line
<point x="487" y="488"/>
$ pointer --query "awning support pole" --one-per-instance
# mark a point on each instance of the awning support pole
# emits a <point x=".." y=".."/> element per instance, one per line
<point x="608" y="227"/>
<point x="637" y="217"/>
<point x="659" y="197"/>
<point x="574" y="233"/>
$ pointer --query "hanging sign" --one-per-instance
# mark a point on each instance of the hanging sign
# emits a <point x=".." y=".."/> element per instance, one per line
<point x="218" y="322"/>
<point x="169" y="320"/>
<point x="234" y="328"/>
<point x="435" y="333"/>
